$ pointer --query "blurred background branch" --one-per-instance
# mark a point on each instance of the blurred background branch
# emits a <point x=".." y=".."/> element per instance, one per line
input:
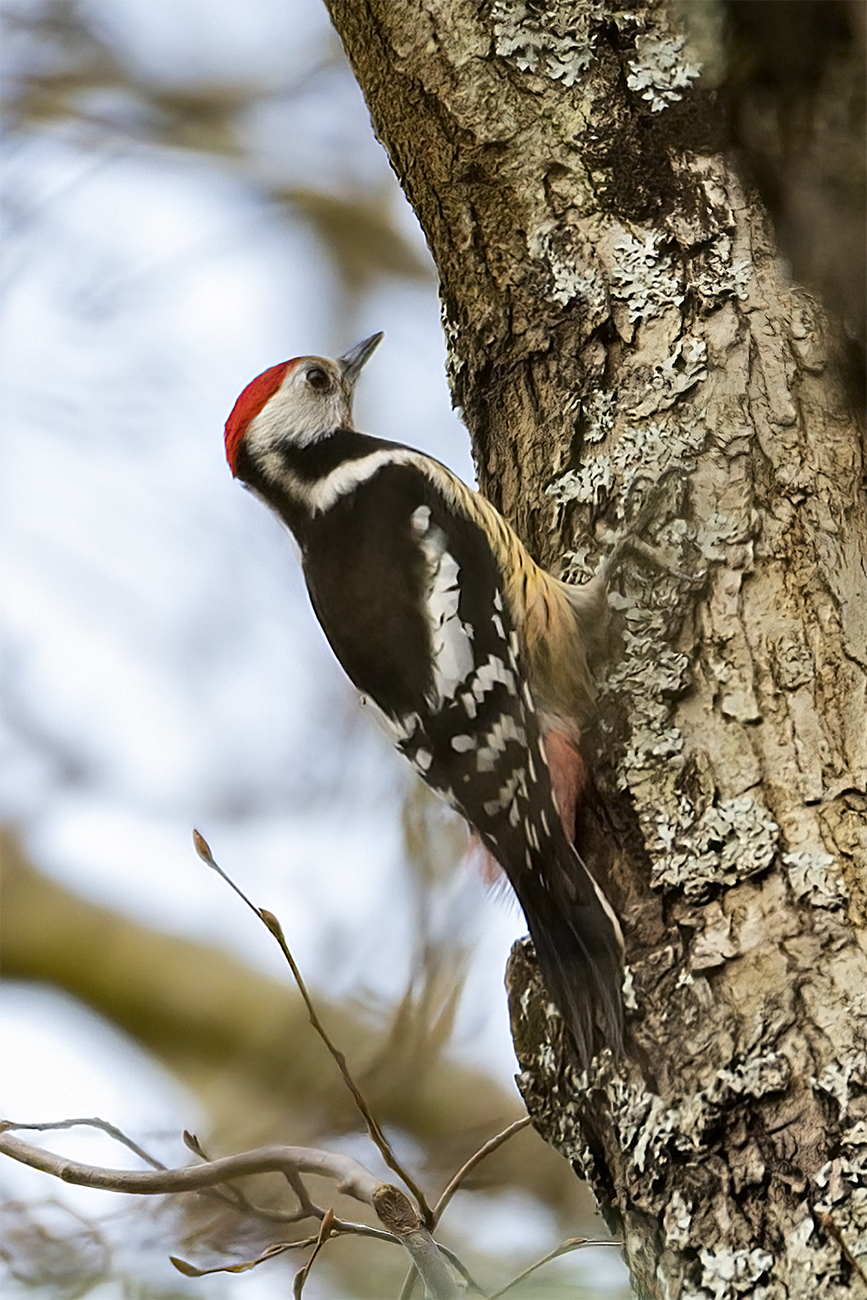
<point x="63" y="70"/>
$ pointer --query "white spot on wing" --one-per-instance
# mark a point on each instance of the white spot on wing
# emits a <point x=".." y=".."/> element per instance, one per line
<point x="420" y="520"/>
<point x="462" y="744"/>
<point x="505" y="798"/>
<point x="496" y="740"/>
<point x="487" y="676"/>
<point x="468" y="704"/>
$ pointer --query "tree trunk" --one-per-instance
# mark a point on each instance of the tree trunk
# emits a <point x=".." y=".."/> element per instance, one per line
<point x="627" y="351"/>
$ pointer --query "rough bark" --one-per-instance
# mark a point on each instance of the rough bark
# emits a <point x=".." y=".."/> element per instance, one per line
<point x="624" y="341"/>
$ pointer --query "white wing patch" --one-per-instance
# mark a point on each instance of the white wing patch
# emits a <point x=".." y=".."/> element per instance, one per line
<point x="517" y="783"/>
<point x="503" y="730"/>
<point x="489" y="674"/>
<point x="451" y="639"/>
<point x="349" y="475"/>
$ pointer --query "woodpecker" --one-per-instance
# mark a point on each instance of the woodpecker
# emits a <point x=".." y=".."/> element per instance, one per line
<point x="473" y="657"/>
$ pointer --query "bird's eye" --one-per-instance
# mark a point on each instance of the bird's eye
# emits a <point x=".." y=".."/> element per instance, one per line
<point x="318" y="379"/>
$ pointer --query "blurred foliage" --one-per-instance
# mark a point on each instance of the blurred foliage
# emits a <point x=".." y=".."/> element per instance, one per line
<point x="242" y="1041"/>
<point x="61" y="69"/>
<point x="234" y="1034"/>
<point x="48" y="1245"/>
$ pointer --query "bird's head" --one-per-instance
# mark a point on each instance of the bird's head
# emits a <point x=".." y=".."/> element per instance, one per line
<point x="295" y="403"/>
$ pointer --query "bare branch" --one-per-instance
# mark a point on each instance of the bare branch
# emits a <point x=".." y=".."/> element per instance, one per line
<point x="399" y="1217"/>
<point x="235" y="1197"/>
<point x="351" y="1177"/>
<point x="397" y="1213"/>
<point x="485" y="1150"/>
<point x="376" y="1134"/>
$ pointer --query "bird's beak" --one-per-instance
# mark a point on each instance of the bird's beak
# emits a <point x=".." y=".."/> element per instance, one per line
<point x="352" y="361"/>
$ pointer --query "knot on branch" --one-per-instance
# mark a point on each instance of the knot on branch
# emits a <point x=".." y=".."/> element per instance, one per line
<point x="395" y="1210"/>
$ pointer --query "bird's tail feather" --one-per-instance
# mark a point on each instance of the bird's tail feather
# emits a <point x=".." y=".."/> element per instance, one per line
<point x="580" y="951"/>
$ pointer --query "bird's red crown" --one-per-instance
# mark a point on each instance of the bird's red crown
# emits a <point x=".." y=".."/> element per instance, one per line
<point x="250" y="403"/>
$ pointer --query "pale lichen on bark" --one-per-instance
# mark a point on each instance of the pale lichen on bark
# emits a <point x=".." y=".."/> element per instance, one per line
<point x="622" y="336"/>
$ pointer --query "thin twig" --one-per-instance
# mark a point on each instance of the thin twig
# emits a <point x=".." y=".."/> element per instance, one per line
<point x="483" y="1152"/>
<point x="376" y="1134"/>
<point x="409" y="1283"/>
<point x="299" y="1187"/>
<point x="279" y="1248"/>
<point x="460" y="1266"/>
<point x="574" y="1243"/>
<point x="325" y="1229"/>
<point x="339" y="1228"/>
<point x="345" y="1227"/>
<point x="94" y="1122"/>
